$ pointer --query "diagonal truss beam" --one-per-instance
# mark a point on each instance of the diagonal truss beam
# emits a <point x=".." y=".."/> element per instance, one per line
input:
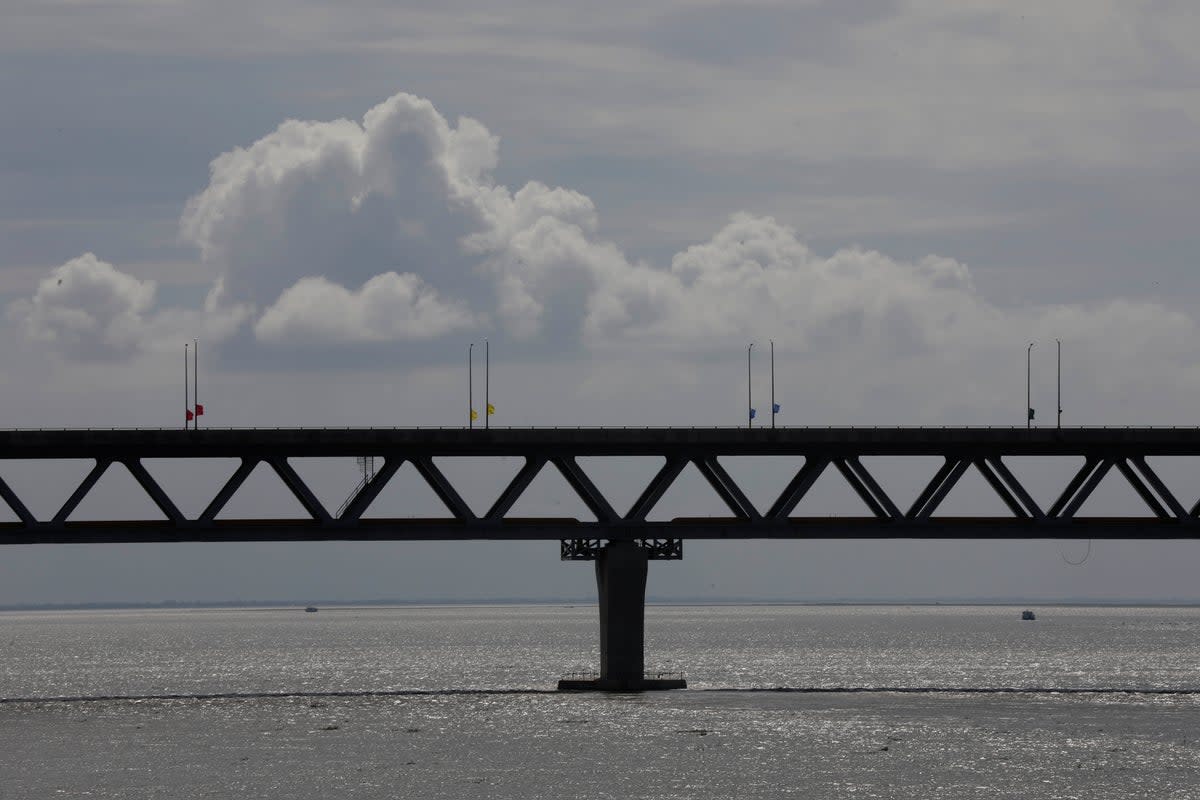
<point x="1148" y="497"/>
<point x="229" y="489"/>
<point x="1081" y="487"/>
<point x="938" y="487"/>
<point x="867" y="488"/>
<point x="442" y="488"/>
<point x="728" y="490"/>
<point x="999" y="488"/>
<point x="81" y="491"/>
<point x="299" y="489"/>
<point x="516" y="487"/>
<point x="370" y="490"/>
<point x="15" y="504"/>
<point x="587" y="491"/>
<point x="1089" y="466"/>
<point x="1173" y="505"/>
<point x="1021" y="505"/>
<point x="797" y="487"/>
<point x="151" y="487"/>
<point x="1018" y="491"/>
<point x="656" y="489"/>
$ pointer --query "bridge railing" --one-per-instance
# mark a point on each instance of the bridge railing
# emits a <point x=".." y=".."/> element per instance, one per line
<point x="494" y="428"/>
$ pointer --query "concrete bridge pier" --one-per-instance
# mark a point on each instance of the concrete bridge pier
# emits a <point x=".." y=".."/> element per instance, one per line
<point x="621" y="570"/>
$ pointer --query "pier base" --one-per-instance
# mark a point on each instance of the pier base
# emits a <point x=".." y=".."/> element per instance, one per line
<point x="635" y="685"/>
<point x="621" y="569"/>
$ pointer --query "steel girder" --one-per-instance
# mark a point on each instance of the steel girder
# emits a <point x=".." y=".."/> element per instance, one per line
<point x="589" y="549"/>
<point x="1103" y="450"/>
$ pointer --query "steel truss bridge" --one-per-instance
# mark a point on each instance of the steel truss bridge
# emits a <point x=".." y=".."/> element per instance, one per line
<point x="620" y="541"/>
<point x="840" y="450"/>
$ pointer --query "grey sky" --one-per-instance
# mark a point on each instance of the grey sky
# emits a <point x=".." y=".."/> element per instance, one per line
<point x="902" y="197"/>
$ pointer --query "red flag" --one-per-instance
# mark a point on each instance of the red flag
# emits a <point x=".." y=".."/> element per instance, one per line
<point x="199" y="410"/>
<point x="189" y="414"/>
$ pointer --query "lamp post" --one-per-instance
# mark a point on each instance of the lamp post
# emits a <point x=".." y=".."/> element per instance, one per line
<point x="1028" y="375"/>
<point x="487" y="368"/>
<point x="749" y="392"/>
<point x="1059" y="425"/>
<point x="470" y="387"/>
<point x="772" y="383"/>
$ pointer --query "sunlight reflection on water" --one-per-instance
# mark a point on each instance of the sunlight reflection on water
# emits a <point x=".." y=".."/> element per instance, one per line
<point x="667" y="745"/>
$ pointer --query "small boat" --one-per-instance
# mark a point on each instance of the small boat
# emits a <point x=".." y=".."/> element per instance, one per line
<point x="311" y="609"/>
<point x="1027" y="614"/>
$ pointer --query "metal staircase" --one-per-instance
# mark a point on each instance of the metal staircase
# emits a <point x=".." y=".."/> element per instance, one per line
<point x="366" y="465"/>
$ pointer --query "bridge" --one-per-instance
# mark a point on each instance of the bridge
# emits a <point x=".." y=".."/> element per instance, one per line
<point x="620" y="542"/>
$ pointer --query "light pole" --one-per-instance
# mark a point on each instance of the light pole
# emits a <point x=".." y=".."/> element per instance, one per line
<point x="487" y="368"/>
<point x="470" y="386"/>
<point x="749" y="393"/>
<point x="1028" y="374"/>
<point x="773" y="383"/>
<point x="1059" y="383"/>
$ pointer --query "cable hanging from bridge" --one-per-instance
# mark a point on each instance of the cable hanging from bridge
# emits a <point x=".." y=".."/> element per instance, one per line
<point x="1086" y="555"/>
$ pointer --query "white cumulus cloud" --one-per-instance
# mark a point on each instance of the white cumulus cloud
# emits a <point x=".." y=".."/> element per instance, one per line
<point x="89" y="310"/>
<point x="403" y="191"/>
<point x="387" y="307"/>
<point x="756" y="278"/>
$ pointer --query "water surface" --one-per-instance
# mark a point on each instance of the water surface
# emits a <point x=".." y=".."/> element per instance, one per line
<point x="722" y="737"/>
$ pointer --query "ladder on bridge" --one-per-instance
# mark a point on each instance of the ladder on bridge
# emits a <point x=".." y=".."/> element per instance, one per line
<point x="366" y="465"/>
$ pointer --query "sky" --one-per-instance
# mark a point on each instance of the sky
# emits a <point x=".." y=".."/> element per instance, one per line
<point x="336" y="199"/>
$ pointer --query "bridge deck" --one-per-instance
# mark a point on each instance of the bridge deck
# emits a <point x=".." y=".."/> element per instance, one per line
<point x="544" y="529"/>
<point x="332" y="442"/>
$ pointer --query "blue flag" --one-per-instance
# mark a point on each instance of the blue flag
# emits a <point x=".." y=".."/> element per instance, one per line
<point x="775" y="408"/>
<point x="753" y="413"/>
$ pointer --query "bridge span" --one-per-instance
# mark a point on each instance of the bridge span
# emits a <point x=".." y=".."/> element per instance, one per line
<point x="620" y="541"/>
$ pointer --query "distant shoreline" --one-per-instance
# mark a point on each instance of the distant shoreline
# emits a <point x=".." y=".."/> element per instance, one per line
<point x="589" y="601"/>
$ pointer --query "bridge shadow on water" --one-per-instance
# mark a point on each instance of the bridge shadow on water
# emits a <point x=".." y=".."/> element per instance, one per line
<point x="827" y="690"/>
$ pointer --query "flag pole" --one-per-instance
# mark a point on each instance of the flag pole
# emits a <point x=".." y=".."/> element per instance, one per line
<point x="470" y="388"/>
<point x="196" y="383"/>
<point x="186" y="397"/>
<point x="772" y="383"/>
<point x="487" y="367"/>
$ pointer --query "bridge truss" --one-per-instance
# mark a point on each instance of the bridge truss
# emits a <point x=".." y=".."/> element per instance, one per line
<point x="824" y="450"/>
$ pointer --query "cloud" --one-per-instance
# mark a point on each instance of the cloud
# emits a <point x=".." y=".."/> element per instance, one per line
<point x="328" y="205"/>
<point x="345" y="235"/>
<point x="296" y="219"/>
<point x="392" y="229"/>
<point x="755" y="278"/>
<point x="387" y="307"/>
<point x="342" y="200"/>
<point x="88" y="310"/>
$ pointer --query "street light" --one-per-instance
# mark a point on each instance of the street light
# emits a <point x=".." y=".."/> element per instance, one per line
<point x="1028" y="374"/>
<point x="749" y="386"/>
<point x="773" y="406"/>
<point x="1059" y="383"/>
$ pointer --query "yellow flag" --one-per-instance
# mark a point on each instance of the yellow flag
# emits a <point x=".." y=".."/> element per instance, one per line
<point x="491" y="409"/>
<point x="474" y="415"/>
